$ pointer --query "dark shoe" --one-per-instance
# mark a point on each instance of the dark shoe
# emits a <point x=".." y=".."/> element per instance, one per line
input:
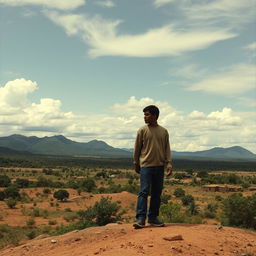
<point x="155" y="222"/>
<point x="140" y="223"/>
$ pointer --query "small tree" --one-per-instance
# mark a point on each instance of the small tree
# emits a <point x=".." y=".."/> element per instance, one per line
<point x="2" y="195"/>
<point x="102" y="213"/>
<point x="11" y="203"/>
<point x="22" y="183"/>
<point x="47" y="191"/>
<point x="240" y="211"/>
<point x="5" y="181"/>
<point x="172" y="213"/>
<point x="202" y="174"/>
<point x="12" y="192"/>
<point x="187" y="199"/>
<point x="88" y="185"/>
<point x="61" y="195"/>
<point x="193" y="208"/>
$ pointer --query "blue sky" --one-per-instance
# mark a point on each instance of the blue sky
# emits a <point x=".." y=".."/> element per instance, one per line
<point x="86" y="69"/>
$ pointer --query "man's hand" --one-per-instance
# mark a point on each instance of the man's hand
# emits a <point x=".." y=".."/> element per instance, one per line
<point x="168" y="171"/>
<point x="137" y="168"/>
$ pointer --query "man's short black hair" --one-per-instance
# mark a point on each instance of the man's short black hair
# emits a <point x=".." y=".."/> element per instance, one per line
<point x="153" y="110"/>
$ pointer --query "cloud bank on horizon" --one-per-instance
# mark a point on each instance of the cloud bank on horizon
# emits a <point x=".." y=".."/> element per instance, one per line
<point x="193" y="59"/>
<point x="188" y="131"/>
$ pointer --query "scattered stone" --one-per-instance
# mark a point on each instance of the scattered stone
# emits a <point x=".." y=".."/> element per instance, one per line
<point x="178" y="250"/>
<point x="173" y="238"/>
<point x="150" y="245"/>
<point x="26" y="247"/>
<point x="77" y="239"/>
<point x="41" y="236"/>
<point x="249" y="244"/>
<point x="216" y="253"/>
<point x="112" y="224"/>
<point x="53" y="241"/>
<point x="219" y="227"/>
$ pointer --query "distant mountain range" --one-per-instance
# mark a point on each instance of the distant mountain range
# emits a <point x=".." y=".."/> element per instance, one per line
<point x="60" y="145"/>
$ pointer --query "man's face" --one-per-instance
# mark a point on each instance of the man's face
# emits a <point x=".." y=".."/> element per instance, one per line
<point x="149" y="118"/>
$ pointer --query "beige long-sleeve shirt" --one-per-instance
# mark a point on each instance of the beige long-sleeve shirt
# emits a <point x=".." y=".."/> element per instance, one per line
<point x="152" y="147"/>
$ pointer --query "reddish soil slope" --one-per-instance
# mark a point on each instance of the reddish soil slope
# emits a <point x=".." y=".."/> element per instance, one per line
<point x="123" y="240"/>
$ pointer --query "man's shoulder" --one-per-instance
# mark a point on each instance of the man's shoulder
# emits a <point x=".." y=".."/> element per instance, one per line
<point x="143" y="128"/>
<point x="162" y="128"/>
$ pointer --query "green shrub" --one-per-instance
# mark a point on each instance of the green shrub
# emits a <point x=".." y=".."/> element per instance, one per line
<point x="31" y="222"/>
<point x="47" y="191"/>
<point x="52" y="222"/>
<point x="102" y="213"/>
<point x="35" y="212"/>
<point x="5" y="181"/>
<point x="31" y="234"/>
<point x="165" y="198"/>
<point x="2" y="195"/>
<point x="179" y="192"/>
<point x="61" y="194"/>
<point x="193" y="208"/>
<point x="172" y="213"/>
<point x="202" y="174"/>
<point x="12" y="192"/>
<point x="11" y="203"/>
<point x="70" y="216"/>
<point x="240" y="211"/>
<point x="22" y="183"/>
<point x="180" y="175"/>
<point x="218" y="198"/>
<point x="210" y="210"/>
<point x="88" y="185"/>
<point x="187" y="199"/>
<point x="209" y="214"/>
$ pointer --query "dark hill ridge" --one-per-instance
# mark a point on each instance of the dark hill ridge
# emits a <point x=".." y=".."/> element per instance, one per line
<point x="60" y="145"/>
<point x="235" y="152"/>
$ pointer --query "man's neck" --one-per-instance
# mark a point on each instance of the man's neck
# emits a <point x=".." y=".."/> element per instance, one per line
<point x="153" y="124"/>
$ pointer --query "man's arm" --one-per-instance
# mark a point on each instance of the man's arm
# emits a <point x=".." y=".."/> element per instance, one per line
<point x="137" y="151"/>
<point x="168" y="156"/>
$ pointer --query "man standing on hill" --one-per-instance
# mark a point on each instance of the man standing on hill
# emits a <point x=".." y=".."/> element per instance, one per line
<point x="151" y="156"/>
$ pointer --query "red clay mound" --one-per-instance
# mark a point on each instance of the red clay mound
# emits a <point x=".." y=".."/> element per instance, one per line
<point x="123" y="240"/>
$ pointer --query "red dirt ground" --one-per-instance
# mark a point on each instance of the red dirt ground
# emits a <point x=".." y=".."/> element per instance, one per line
<point x="123" y="240"/>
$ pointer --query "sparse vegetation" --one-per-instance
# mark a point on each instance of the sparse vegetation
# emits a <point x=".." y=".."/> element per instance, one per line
<point x="182" y="201"/>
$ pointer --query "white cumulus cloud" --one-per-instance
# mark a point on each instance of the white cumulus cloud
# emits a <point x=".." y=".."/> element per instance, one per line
<point x="235" y="80"/>
<point x="231" y="13"/>
<point x="106" y="3"/>
<point x="13" y="95"/>
<point x="188" y="132"/>
<point x="56" y="4"/>
<point x="104" y="40"/>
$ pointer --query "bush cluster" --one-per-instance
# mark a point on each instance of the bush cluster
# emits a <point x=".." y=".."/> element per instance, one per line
<point x="239" y="211"/>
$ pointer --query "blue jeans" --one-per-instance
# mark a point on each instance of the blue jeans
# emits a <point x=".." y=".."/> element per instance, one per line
<point x="151" y="182"/>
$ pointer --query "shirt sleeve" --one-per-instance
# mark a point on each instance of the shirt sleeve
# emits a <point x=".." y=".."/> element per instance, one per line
<point x="137" y="148"/>
<point x="168" y="156"/>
